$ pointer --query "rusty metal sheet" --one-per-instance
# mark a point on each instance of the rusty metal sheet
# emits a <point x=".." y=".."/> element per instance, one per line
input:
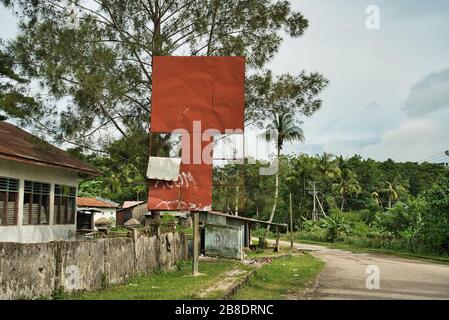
<point x="191" y="192"/>
<point x="208" y="89"/>
<point x="188" y="91"/>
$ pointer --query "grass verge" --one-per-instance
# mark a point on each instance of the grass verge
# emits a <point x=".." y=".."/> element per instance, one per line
<point x="267" y="253"/>
<point x="282" y="277"/>
<point x="178" y="284"/>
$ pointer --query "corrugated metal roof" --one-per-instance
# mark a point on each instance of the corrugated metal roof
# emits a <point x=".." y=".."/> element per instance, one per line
<point x="93" y="202"/>
<point x="129" y="204"/>
<point x="217" y="213"/>
<point x="19" y="145"/>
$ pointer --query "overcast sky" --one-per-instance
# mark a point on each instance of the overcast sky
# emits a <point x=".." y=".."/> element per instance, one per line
<point x="389" y="88"/>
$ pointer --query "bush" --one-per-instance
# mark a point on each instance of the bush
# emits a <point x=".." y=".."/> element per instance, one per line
<point x="397" y="219"/>
<point x="360" y="229"/>
<point x="335" y="226"/>
<point x="351" y="217"/>
<point x="318" y="235"/>
<point x="433" y="223"/>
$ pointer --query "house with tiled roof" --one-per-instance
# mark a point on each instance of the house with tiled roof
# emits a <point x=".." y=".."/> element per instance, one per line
<point x="38" y="188"/>
<point x="91" y="209"/>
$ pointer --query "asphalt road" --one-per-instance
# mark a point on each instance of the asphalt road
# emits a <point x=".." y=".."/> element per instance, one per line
<point x="345" y="276"/>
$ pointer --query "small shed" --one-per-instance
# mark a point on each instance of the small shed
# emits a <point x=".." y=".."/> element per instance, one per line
<point x="226" y="235"/>
<point x="132" y="209"/>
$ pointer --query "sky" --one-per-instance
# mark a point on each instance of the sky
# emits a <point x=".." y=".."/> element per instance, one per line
<point x="388" y="95"/>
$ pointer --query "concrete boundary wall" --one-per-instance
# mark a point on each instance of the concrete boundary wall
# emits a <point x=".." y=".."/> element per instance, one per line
<point x="31" y="271"/>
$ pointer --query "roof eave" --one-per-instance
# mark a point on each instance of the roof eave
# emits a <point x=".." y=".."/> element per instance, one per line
<point x="83" y="171"/>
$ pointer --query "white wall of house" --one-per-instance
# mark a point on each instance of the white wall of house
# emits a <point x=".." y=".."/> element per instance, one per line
<point x="37" y="173"/>
<point x="108" y="213"/>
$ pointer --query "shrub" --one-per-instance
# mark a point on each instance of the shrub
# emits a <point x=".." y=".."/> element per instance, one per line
<point x="335" y="226"/>
<point x="351" y="217"/>
<point x="433" y="223"/>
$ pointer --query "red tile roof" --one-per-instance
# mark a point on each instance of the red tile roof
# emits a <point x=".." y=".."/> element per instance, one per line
<point x="93" y="202"/>
<point x="19" y="145"/>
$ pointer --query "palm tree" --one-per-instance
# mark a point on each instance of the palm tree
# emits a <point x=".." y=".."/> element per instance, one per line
<point x="303" y="171"/>
<point x="391" y="191"/>
<point x="327" y="170"/>
<point x="348" y="184"/>
<point x="376" y="196"/>
<point x="326" y="165"/>
<point x="284" y="128"/>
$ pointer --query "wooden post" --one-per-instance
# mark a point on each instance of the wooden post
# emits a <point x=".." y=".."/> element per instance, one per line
<point x="276" y="249"/>
<point x="195" y="243"/>
<point x="291" y="223"/>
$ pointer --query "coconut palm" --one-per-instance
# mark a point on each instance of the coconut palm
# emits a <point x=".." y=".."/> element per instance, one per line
<point x="327" y="170"/>
<point x="347" y="184"/>
<point x="392" y="191"/>
<point x="303" y="171"/>
<point x="326" y="166"/>
<point x="283" y="127"/>
<point x="376" y="196"/>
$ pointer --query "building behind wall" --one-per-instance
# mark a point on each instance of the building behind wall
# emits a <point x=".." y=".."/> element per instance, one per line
<point x="90" y="210"/>
<point x="38" y="188"/>
<point x="132" y="209"/>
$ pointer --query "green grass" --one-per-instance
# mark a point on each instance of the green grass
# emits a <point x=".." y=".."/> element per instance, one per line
<point x="280" y="278"/>
<point x="174" y="285"/>
<point x="267" y="253"/>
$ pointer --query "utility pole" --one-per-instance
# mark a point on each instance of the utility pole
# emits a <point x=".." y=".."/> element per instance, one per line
<point x="237" y="201"/>
<point x="291" y="223"/>
<point x="314" y="202"/>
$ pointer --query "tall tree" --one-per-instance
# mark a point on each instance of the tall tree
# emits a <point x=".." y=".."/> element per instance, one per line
<point x="14" y="99"/>
<point x="347" y="184"/>
<point x="283" y="128"/>
<point x="103" y="63"/>
<point x="93" y="59"/>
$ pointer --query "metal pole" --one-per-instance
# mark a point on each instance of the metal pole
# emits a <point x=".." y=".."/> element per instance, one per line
<point x="277" y="239"/>
<point x="291" y="222"/>
<point x="314" y="202"/>
<point x="195" y="243"/>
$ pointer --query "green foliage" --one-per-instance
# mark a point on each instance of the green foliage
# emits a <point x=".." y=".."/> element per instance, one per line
<point x="417" y="225"/>
<point x="433" y="223"/>
<point x="335" y="226"/>
<point x="59" y="294"/>
<point x="14" y="101"/>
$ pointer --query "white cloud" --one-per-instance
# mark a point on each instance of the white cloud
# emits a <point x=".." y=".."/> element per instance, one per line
<point x="429" y="95"/>
<point x="414" y="140"/>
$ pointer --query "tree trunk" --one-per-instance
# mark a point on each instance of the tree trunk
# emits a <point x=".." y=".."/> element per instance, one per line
<point x="342" y="203"/>
<point x="276" y="193"/>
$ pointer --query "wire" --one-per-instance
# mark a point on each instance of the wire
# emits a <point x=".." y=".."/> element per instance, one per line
<point x="438" y="155"/>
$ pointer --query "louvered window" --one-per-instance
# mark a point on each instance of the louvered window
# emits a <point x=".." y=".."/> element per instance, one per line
<point x="65" y="204"/>
<point x="9" y="196"/>
<point x="36" y="203"/>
